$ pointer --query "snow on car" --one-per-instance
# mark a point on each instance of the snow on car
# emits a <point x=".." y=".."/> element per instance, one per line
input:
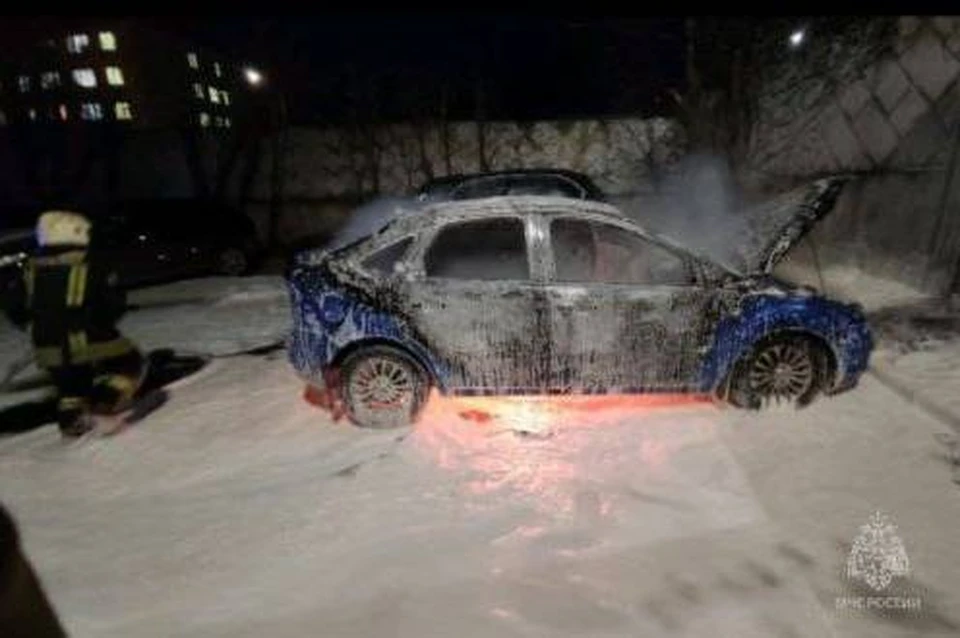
<point x="532" y="295"/>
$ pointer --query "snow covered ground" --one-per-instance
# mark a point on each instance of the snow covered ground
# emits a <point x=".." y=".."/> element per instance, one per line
<point x="241" y="510"/>
<point x="216" y="316"/>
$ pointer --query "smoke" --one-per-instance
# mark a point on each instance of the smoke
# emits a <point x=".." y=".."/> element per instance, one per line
<point x="700" y="207"/>
<point x="371" y="217"/>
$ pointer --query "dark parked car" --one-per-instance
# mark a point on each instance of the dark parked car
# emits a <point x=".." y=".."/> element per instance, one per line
<point x="535" y="181"/>
<point x="150" y="241"/>
<point x="535" y="294"/>
<point x="165" y="239"/>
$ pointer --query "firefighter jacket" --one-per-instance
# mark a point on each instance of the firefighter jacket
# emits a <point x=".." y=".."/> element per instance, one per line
<point x="71" y="304"/>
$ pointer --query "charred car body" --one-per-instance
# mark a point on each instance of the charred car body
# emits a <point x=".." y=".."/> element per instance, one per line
<point x="516" y="295"/>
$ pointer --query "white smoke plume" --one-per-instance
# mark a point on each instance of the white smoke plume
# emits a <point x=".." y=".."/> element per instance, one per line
<point x="371" y="217"/>
<point x="699" y="207"/>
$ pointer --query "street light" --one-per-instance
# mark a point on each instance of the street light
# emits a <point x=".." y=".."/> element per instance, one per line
<point x="797" y="38"/>
<point x="253" y="76"/>
<point x="278" y="114"/>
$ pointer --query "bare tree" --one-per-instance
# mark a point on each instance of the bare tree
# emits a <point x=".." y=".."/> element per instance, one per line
<point x="738" y="69"/>
<point x="365" y="148"/>
<point x="445" y="127"/>
<point x="642" y="136"/>
<point x="481" y="124"/>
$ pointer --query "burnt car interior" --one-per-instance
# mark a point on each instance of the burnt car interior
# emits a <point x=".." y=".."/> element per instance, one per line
<point x="488" y="249"/>
<point x="591" y="252"/>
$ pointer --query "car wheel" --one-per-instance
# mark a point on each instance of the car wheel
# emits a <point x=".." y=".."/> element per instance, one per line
<point x="383" y="387"/>
<point x="233" y="262"/>
<point x="782" y="368"/>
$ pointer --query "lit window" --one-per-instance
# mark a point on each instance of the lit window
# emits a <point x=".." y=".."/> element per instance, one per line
<point x="77" y="43"/>
<point x="114" y="76"/>
<point x="63" y="112"/>
<point x="216" y="69"/>
<point x="85" y="78"/>
<point x="204" y="119"/>
<point x="198" y="91"/>
<point x="24" y="83"/>
<point x="122" y="111"/>
<point x="32" y="113"/>
<point x="108" y="41"/>
<point x="49" y="80"/>
<point x="91" y="111"/>
<point x="225" y="97"/>
<point x="192" y="61"/>
<point x="214" y="95"/>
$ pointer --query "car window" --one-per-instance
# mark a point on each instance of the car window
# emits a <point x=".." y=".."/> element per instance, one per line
<point x="554" y="185"/>
<point x="384" y="260"/>
<point x="592" y="252"/>
<point x="488" y="249"/>
<point x="574" y="250"/>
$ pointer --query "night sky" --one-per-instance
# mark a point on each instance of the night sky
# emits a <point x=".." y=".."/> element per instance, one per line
<point x="386" y="67"/>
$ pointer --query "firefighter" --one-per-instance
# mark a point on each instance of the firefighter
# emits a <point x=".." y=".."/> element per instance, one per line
<point x="70" y="304"/>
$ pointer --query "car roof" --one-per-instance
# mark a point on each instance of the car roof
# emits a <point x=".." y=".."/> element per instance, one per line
<point x="541" y="204"/>
<point x="467" y="209"/>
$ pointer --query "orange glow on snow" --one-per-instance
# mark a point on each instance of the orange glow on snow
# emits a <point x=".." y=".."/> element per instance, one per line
<point x="548" y="448"/>
<point x="553" y="410"/>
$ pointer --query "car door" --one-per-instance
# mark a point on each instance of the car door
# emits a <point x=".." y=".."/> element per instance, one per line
<point x="626" y="313"/>
<point x="474" y="300"/>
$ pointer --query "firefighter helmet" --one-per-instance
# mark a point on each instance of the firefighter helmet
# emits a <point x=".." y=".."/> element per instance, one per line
<point x="63" y="228"/>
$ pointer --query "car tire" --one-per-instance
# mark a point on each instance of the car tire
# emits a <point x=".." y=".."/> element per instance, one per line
<point x="233" y="262"/>
<point x="781" y="368"/>
<point x="383" y="387"/>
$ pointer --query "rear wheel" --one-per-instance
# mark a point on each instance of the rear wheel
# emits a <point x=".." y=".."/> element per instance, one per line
<point x="783" y="368"/>
<point x="383" y="387"/>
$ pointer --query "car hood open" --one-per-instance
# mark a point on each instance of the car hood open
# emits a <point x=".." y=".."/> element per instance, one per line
<point x="775" y="226"/>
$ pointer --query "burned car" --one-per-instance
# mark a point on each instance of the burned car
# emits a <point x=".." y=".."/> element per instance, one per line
<point x="516" y="295"/>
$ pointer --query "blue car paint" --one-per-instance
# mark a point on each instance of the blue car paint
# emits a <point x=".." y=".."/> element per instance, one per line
<point x="841" y="326"/>
<point x="327" y="320"/>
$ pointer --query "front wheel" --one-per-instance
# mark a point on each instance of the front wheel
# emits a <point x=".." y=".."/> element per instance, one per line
<point x="784" y="368"/>
<point x="383" y="387"/>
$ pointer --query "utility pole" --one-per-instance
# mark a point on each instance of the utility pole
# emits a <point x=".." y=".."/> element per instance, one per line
<point x="279" y="149"/>
<point x="276" y="117"/>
